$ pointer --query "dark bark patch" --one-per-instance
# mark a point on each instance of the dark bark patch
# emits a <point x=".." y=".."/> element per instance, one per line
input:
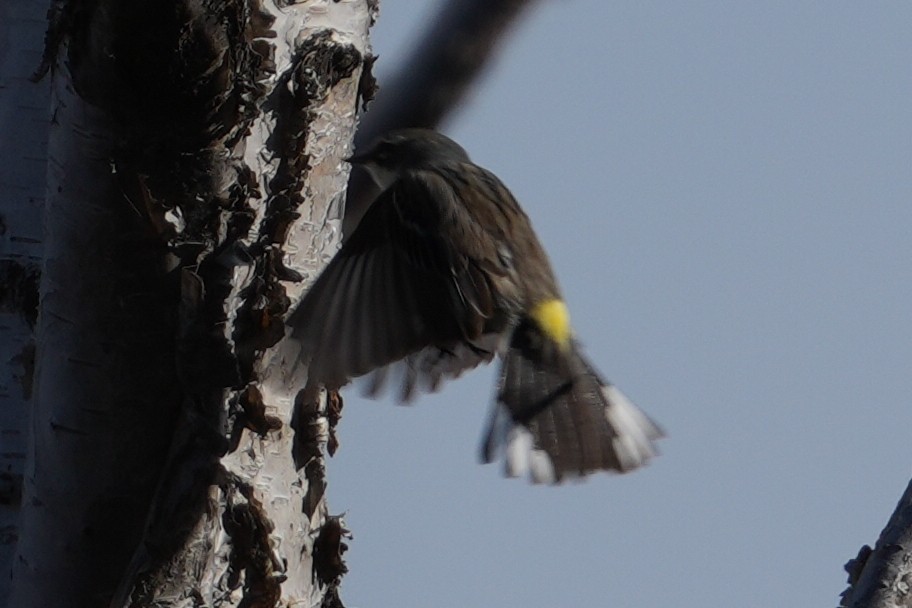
<point x="334" y="405"/>
<point x="205" y="358"/>
<point x="329" y="547"/>
<point x="249" y="412"/>
<point x="178" y="75"/>
<point x="252" y="555"/>
<point x="59" y="16"/>
<point x="855" y="566"/>
<point x="318" y="65"/>
<point x="367" y="85"/>
<point x="10" y="491"/>
<point x="19" y="289"/>
<point x="373" y="6"/>
<point x="306" y="451"/>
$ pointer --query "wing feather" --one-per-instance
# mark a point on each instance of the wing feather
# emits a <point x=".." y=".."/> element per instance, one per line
<point x="399" y="287"/>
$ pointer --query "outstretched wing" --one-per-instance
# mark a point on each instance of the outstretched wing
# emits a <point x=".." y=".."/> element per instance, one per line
<point x="400" y="285"/>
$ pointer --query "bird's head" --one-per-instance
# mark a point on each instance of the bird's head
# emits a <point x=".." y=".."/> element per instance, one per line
<point x="387" y="157"/>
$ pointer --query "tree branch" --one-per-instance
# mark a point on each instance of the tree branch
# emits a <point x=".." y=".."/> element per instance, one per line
<point x="882" y="578"/>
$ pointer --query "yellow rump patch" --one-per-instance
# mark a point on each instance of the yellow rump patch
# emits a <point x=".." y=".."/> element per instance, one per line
<point x="553" y="319"/>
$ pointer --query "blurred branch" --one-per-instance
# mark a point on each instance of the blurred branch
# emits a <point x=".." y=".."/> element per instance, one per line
<point x="433" y="80"/>
<point x="882" y="577"/>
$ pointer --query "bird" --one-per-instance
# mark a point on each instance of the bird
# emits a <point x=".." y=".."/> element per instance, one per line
<point x="445" y="273"/>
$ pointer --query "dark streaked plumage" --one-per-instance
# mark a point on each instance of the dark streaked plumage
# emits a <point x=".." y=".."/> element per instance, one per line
<point x="443" y="273"/>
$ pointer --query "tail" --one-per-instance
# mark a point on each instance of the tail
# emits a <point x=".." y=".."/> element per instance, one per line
<point x="556" y="418"/>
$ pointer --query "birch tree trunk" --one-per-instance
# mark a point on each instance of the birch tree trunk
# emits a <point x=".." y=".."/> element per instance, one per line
<point x="194" y="187"/>
<point x="23" y="148"/>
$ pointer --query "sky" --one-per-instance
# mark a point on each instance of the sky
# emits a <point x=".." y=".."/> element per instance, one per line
<point x="724" y="190"/>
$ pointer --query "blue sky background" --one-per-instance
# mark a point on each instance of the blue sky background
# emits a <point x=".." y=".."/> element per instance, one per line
<point x="724" y="189"/>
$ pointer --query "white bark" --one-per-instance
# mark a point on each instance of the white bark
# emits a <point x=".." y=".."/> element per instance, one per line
<point x="94" y="430"/>
<point x="23" y="148"/>
<point x="313" y="239"/>
<point x="159" y="430"/>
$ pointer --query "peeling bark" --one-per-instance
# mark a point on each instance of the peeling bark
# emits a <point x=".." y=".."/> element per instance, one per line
<point x="882" y="577"/>
<point x="196" y="185"/>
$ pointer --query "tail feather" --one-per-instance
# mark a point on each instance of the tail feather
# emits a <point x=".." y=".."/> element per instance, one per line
<point x="556" y="418"/>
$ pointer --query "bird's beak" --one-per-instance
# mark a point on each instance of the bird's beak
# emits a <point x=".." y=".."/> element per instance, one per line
<point x="356" y="159"/>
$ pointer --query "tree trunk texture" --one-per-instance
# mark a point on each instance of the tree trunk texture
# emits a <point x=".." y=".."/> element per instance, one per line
<point x="23" y="148"/>
<point x="194" y="187"/>
<point x="882" y="577"/>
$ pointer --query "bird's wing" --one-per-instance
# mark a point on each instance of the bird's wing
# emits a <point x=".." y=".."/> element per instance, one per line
<point x="400" y="288"/>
